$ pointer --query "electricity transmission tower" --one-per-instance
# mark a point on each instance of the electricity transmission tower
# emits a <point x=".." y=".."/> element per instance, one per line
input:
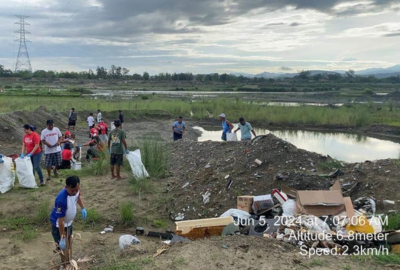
<point x="23" y="62"/>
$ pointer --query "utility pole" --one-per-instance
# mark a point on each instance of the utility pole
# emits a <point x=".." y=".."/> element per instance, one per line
<point x="23" y="62"/>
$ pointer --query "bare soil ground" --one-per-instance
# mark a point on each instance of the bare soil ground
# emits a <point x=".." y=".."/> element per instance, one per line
<point x="27" y="243"/>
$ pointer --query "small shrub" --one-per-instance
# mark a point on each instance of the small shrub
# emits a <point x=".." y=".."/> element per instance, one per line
<point x="141" y="185"/>
<point x="144" y="97"/>
<point x="155" y="156"/>
<point x="93" y="217"/>
<point x="43" y="213"/>
<point x="126" y="211"/>
<point x="100" y="166"/>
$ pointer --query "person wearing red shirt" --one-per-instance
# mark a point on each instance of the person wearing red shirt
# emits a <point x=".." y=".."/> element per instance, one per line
<point x="103" y="131"/>
<point x="94" y="132"/>
<point x="66" y="157"/>
<point x="31" y="143"/>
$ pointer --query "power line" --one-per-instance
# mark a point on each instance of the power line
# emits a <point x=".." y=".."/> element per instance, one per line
<point x="23" y="62"/>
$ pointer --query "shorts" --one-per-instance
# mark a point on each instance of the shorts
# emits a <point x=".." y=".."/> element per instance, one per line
<point x="116" y="159"/>
<point x="71" y="122"/>
<point x="177" y="136"/>
<point x="55" y="232"/>
<point x="53" y="159"/>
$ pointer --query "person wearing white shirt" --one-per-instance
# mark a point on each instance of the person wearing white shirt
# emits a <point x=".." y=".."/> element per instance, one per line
<point x="51" y="138"/>
<point x="90" y="121"/>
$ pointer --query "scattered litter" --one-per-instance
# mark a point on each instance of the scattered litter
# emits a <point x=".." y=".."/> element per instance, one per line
<point x="186" y="184"/>
<point x="207" y="166"/>
<point x="262" y="202"/>
<point x="127" y="240"/>
<point x="225" y="246"/>
<point x="228" y="186"/>
<point x="139" y="230"/>
<point x="227" y="176"/>
<point x="180" y="217"/>
<point x="206" y="197"/>
<point x="245" y="203"/>
<point x="257" y="161"/>
<point x="240" y="214"/>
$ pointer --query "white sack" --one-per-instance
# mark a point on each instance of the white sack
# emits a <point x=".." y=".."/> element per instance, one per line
<point x="25" y="173"/>
<point x="135" y="160"/>
<point x="7" y="175"/>
<point x="231" y="137"/>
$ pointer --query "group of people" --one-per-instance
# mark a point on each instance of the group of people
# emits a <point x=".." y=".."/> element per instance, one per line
<point x="179" y="128"/>
<point x="61" y="150"/>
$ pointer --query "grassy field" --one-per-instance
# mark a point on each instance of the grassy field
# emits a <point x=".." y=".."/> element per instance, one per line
<point x="346" y="116"/>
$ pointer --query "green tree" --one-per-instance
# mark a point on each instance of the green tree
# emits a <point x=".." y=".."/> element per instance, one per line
<point x="146" y="76"/>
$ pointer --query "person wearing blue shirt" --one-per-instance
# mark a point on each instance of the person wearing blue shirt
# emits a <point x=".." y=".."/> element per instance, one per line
<point x="178" y="128"/>
<point x="245" y="128"/>
<point x="64" y="212"/>
<point x="226" y="126"/>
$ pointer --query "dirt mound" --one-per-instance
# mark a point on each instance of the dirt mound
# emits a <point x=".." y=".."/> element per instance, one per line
<point x="202" y="168"/>
<point x="246" y="252"/>
<point x="11" y="128"/>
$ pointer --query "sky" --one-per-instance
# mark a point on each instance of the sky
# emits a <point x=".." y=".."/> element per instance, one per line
<point x="204" y="36"/>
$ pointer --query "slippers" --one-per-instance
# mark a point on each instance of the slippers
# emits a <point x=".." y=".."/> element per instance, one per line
<point x="120" y="178"/>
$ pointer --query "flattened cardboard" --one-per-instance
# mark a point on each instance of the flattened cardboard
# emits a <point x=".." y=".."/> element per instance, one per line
<point x="291" y="192"/>
<point x="320" y="202"/>
<point x="336" y="186"/>
<point x="348" y="204"/>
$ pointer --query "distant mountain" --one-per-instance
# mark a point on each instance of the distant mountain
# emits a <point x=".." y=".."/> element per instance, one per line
<point x="377" y="72"/>
<point x="373" y="71"/>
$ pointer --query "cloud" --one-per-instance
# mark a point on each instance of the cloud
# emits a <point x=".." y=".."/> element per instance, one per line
<point x="294" y="24"/>
<point x="286" y="68"/>
<point x="349" y="59"/>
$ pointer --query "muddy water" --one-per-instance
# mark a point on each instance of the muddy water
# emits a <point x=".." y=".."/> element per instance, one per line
<point x="342" y="146"/>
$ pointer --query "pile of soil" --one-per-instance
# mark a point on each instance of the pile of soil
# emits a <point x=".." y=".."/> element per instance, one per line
<point x="210" y="166"/>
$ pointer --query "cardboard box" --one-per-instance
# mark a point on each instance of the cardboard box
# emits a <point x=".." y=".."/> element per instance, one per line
<point x="262" y="202"/>
<point x="324" y="202"/>
<point x="200" y="228"/>
<point x="244" y="203"/>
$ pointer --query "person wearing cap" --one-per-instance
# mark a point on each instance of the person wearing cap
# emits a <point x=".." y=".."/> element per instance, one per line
<point x="226" y="126"/>
<point x="116" y="144"/>
<point x="245" y="128"/>
<point x="178" y="128"/>
<point x="73" y="116"/>
<point x="31" y="144"/>
<point x="121" y="118"/>
<point x="98" y="116"/>
<point x="51" y="138"/>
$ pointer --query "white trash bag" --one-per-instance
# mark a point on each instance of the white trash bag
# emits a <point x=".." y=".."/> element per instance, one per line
<point x="127" y="240"/>
<point x="7" y="175"/>
<point x="231" y="137"/>
<point x="135" y="160"/>
<point x="25" y="173"/>
<point x="289" y="208"/>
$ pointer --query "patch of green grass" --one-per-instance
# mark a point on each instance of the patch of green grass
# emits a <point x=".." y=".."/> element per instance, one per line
<point x="141" y="185"/>
<point x="160" y="223"/>
<point x="43" y="213"/>
<point x="387" y="259"/>
<point x="28" y="234"/>
<point x="329" y="165"/>
<point x="139" y="264"/>
<point x="346" y="267"/>
<point x="126" y="212"/>
<point x="155" y="155"/>
<point x="316" y="262"/>
<point x="393" y="222"/>
<point x="14" y="223"/>
<point x="178" y="262"/>
<point x="93" y="218"/>
<point x="100" y="166"/>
